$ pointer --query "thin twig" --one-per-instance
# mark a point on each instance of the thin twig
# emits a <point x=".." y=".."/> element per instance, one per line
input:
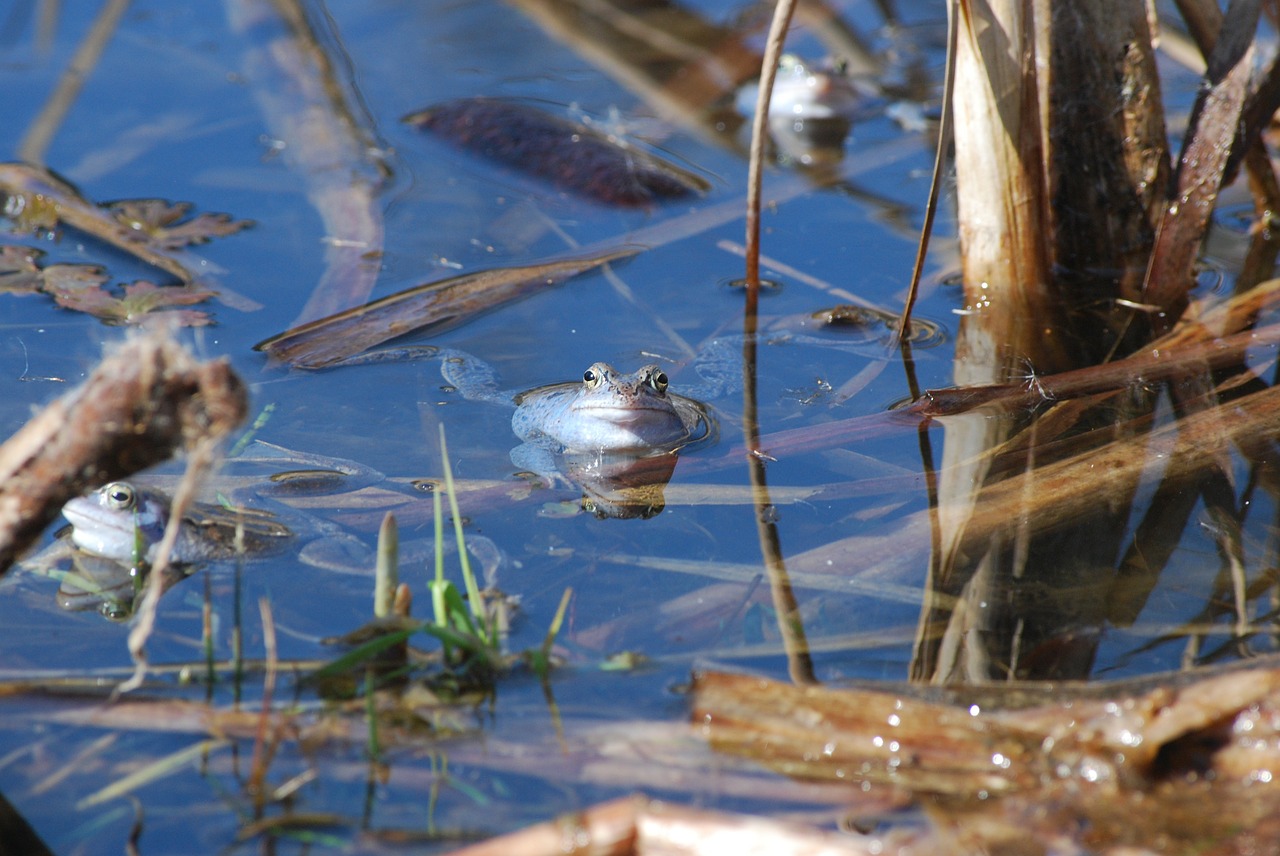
<point x="35" y="142"/>
<point x="759" y="122"/>
<point x="200" y="465"/>
<point x="800" y="665"/>
<point x="939" y="158"/>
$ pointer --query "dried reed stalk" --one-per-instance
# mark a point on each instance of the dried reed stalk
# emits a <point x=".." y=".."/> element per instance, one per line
<point x="1044" y="93"/>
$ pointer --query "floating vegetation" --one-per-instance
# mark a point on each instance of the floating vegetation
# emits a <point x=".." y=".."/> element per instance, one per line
<point x="168" y="225"/>
<point x="572" y="156"/>
<point x="154" y="231"/>
<point x="84" y="291"/>
<point x="852" y="318"/>
<point x="151" y="230"/>
<point x="85" y="288"/>
<point x="20" y="271"/>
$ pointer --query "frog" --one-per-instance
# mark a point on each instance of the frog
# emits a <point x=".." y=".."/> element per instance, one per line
<point x="103" y="557"/>
<point x="124" y="522"/>
<point x="606" y="412"/>
<point x="804" y="91"/>
<point x="811" y="111"/>
<point x="587" y="432"/>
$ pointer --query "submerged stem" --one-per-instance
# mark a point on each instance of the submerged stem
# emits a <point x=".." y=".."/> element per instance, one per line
<point x="755" y="165"/>
<point x="939" y="158"/>
<point x="799" y="664"/>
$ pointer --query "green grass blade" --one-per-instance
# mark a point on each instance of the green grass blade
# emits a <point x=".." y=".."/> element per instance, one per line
<point x="439" y="532"/>
<point x="360" y="654"/>
<point x="468" y="577"/>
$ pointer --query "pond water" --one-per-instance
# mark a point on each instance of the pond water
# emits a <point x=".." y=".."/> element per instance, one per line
<point x="173" y="108"/>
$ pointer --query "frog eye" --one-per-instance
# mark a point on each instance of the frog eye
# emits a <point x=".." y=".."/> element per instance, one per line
<point x="119" y="495"/>
<point x="591" y="377"/>
<point x="658" y="380"/>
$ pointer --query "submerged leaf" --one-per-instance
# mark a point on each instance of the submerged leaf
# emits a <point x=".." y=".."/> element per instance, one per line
<point x="163" y="222"/>
<point x="20" y="269"/>
<point x="327" y="341"/>
<point x="571" y="155"/>
<point x="82" y="288"/>
<point x="70" y="280"/>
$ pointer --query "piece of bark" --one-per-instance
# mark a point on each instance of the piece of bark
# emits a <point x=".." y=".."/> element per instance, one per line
<point x="1193" y="750"/>
<point x="146" y="400"/>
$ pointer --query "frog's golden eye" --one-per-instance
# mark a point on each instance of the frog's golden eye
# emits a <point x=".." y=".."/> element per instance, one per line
<point x="590" y="377"/>
<point x="119" y="496"/>
<point x="658" y="380"/>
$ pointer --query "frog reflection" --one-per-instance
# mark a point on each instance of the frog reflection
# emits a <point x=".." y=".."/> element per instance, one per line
<point x="620" y="486"/>
<point x="597" y="433"/>
<point x="106" y="586"/>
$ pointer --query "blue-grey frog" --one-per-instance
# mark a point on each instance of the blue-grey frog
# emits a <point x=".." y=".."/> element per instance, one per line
<point x="124" y="522"/>
<point x="607" y="412"/>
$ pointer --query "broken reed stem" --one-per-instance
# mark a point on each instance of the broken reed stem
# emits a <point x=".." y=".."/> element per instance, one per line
<point x="819" y="733"/>
<point x="1218" y="113"/>
<point x="262" y="748"/>
<point x="639" y="826"/>
<point x="1146" y="367"/>
<point x="1218" y="339"/>
<point x="605" y="828"/>
<point x="1069" y="489"/>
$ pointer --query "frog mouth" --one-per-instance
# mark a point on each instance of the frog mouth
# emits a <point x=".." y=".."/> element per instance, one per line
<point x="620" y="414"/>
<point x="86" y="513"/>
